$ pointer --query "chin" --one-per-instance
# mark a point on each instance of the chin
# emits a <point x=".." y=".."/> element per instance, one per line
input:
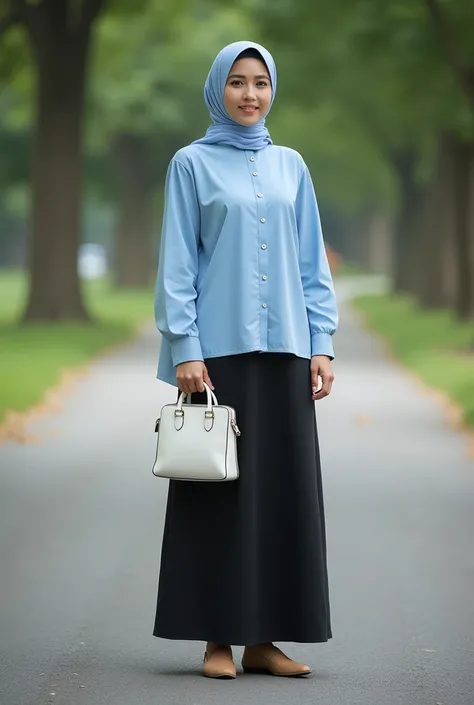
<point x="247" y="122"/>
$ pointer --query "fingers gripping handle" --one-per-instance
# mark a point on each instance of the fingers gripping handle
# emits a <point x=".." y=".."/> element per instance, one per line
<point x="211" y="398"/>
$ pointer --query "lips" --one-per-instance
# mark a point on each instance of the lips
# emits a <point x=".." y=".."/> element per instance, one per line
<point x="250" y="109"/>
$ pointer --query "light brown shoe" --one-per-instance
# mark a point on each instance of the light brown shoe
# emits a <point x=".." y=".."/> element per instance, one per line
<point x="267" y="658"/>
<point x="218" y="663"/>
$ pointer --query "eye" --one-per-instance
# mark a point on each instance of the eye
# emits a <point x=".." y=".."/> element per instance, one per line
<point x="262" y="84"/>
<point x="236" y="82"/>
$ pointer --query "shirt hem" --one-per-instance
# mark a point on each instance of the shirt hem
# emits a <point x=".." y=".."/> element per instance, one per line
<point x="164" y="376"/>
<point x="255" y="349"/>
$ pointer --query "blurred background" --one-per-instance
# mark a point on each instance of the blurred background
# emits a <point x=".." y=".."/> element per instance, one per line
<point x="97" y="96"/>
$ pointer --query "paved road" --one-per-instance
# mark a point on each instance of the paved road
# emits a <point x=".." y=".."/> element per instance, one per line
<point x="80" y="528"/>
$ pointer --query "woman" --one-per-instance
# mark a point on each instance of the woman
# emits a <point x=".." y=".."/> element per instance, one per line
<point x="245" y="303"/>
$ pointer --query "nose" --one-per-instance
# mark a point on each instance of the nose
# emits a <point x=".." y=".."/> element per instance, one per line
<point x="249" y="94"/>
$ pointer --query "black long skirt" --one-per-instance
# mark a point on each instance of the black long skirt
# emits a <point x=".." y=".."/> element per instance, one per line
<point x="244" y="562"/>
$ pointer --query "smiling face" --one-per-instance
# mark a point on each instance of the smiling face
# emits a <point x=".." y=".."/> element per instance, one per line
<point x="248" y="91"/>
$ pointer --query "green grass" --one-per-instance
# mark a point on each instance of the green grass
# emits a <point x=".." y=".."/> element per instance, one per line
<point x="33" y="357"/>
<point x="439" y="348"/>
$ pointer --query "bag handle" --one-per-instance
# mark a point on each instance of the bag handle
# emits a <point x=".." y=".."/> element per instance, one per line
<point x="211" y="399"/>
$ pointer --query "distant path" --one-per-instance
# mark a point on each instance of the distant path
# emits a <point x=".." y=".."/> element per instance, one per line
<point x="80" y="529"/>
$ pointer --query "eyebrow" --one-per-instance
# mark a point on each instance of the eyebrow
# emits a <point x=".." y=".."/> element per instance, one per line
<point x="239" y="75"/>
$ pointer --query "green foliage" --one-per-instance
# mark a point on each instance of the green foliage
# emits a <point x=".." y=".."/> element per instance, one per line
<point x="431" y="343"/>
<point x="15" y="147"/>
<point x="381" y="65"/>
<point x="16" y="107"/>
<point x="344" y="163"/>
<point x="149" y="72"/>
<point x="148" y="76"/>
<point x="359" y="81"/>
<point x="16" y="114"/>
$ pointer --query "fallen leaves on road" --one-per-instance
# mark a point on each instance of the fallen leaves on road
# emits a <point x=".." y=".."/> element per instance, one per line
<point x="16" y="423"/>
<point x="363" y="419"/>
<point x="453" y="413"/>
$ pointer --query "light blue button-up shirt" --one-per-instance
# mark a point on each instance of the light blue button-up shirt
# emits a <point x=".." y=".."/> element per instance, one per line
<point x="242" y="264"/>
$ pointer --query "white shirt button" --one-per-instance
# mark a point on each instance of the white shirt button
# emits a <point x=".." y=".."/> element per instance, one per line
<point x="259" y="195"/>
<point x="252" y="159"/>
<point x="263" y="220"/>
<point x="264" y="247"/>
<point x="254" y="173"/>
<point x="264" y="305"/>
<point x="264" y="277"/>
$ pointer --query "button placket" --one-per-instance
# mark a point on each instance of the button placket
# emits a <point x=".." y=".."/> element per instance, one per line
<point x="263" y="259"/>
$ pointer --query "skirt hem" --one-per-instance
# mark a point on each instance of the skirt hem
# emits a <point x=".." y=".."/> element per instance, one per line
<point x="218" y="639"/>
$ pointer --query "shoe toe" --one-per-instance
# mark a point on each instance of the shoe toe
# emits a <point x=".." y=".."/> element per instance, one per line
<point x="218" y="666"/>
<point x="275" y="662"/>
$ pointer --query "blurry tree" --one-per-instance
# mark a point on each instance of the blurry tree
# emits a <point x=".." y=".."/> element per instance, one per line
<point x="422" y="101"/>
<point x="153" y="53"/>
<point x="377" y="96"/>
<point x="59" y="33"/>
<point x="439" y="228"/>
<point x="376" y="134"/>
<point x="14" y="146"/>
<point x="147" y="103"/>
<point x="351" y="179"/>
<point x="15" y="142"/>
<point x="380" y="62"/>
<point x="133" y="116"/>
<point x="453" y="24"/>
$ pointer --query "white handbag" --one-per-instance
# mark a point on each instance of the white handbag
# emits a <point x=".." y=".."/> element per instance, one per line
<point x="197" y="442"/>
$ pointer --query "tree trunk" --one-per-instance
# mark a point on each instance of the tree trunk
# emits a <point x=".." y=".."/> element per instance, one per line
<point x="364" y="237"/>
<point x="463" y="153"/>
<point x="405" y="244"/>
<point x="358" y="241"/>
<point x="380" y="244"/>
<point x="134" y="261"/>
<point x="449" y="43"/>
<point x="463" y="226"/>
<point x="60" y="50"/>
<point x="436" y="230"/>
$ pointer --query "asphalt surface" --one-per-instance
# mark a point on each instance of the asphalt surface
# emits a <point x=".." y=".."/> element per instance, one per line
<point x="81" y="520"/>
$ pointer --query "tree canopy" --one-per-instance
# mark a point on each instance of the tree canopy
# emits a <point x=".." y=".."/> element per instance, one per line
<point x="373" y="94"/>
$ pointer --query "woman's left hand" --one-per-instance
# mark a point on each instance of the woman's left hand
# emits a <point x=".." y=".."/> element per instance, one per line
<point x="321" y="368"/>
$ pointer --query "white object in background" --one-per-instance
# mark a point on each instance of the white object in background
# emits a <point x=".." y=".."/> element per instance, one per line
<point x="92" y="261"/>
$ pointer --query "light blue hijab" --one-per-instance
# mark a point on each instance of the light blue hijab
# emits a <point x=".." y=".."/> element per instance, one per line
<point x="224" y="130"/>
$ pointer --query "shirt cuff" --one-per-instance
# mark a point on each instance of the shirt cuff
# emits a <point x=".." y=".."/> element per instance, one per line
<point x="185" y="349"/>
<point x="321" y="344"/>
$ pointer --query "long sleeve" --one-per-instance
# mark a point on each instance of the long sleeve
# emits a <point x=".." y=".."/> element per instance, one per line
<point x="315" y="273"/>
<point x="175" y="298"/>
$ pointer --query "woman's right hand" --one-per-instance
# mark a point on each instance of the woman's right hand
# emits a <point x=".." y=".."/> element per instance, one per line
<point x="191" y="377"/>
